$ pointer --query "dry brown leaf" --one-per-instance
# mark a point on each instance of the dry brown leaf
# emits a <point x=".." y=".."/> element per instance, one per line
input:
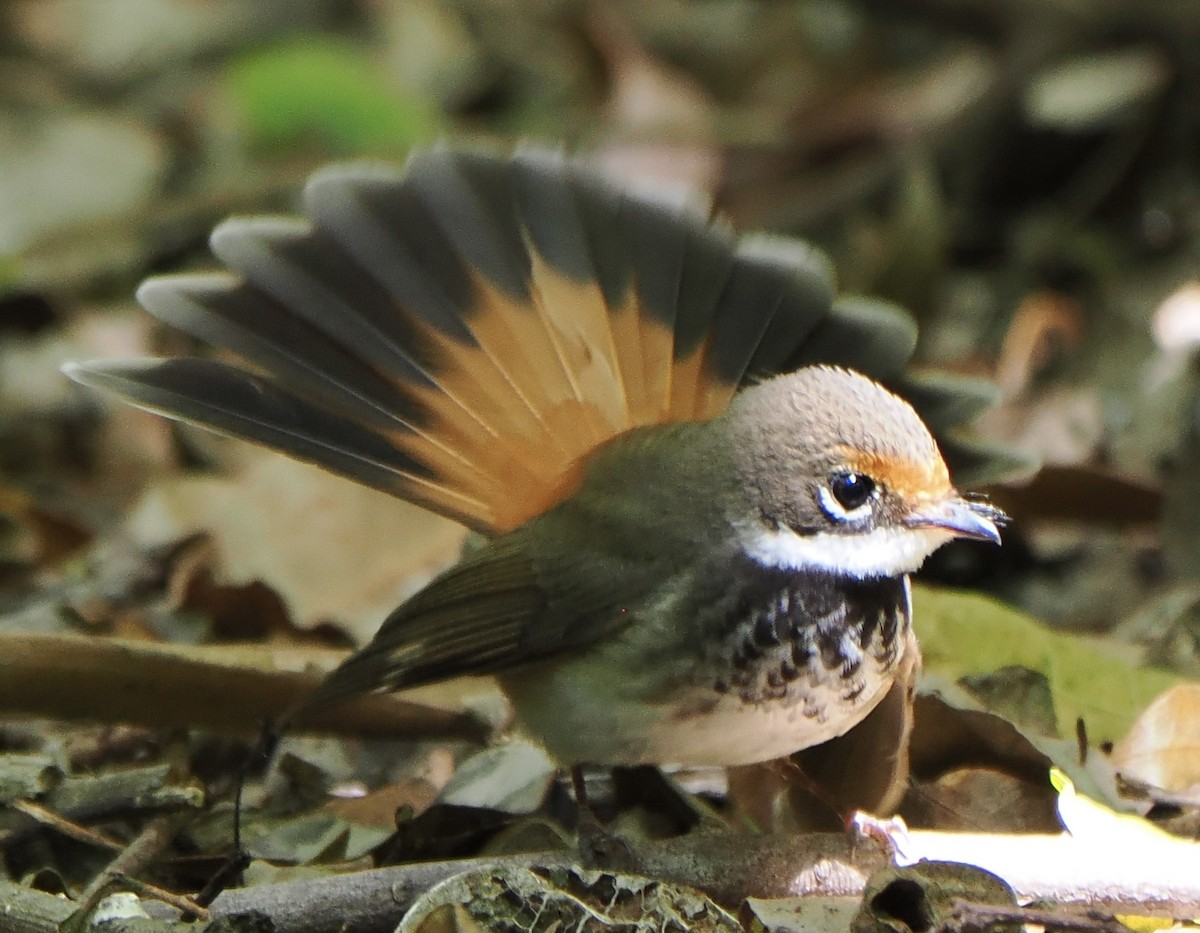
<point x="1044" y="322"/>
<point x="1060" y="425"/>
<point x="982" y="800"/>
<point x="1163" y="747"/>
<point x="414" y="795"/>
<point x="814" y="914"/>
<point x="1081" y="493"/>
<point x="661" y="125"/>
<point x="330" y="548"/>
<point x="53" y="535"/>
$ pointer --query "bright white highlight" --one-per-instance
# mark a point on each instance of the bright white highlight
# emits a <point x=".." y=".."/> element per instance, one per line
<point x="838" y="512"/>
<point x="884" y="552"/>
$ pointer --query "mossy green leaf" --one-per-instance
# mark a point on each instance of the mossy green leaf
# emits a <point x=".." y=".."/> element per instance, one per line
<point x="1102" y="684"/>
<point x="10" y="271"/>
<point x="315" y="87"/>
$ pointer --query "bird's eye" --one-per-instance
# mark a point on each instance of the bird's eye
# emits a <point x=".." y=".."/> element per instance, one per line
<point x="851" y="490"/>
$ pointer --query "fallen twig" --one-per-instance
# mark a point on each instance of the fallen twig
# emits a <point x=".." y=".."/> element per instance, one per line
<point x="221" y="687"/>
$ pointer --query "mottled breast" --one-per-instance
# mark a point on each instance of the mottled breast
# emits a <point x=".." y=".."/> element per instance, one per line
<point x="742" y="664"/>
<point x="816" y="640"/>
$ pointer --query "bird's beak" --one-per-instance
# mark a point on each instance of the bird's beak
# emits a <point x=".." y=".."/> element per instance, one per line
<point x="963" y="518"/>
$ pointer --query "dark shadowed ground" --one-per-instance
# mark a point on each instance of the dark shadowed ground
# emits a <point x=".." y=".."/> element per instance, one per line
<point x="1023" y="177"/>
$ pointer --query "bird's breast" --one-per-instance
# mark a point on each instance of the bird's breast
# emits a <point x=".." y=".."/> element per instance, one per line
<point x="745" y="665"/>
<point x="795" y="659"/>
<point x="804" y="637"/>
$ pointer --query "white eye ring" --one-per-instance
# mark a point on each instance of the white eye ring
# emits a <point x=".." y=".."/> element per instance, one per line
<point x="838" y="512"/>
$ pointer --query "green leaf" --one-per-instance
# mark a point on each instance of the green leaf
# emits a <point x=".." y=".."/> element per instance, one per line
<point x="315" y="86"/>
<point x="964" y="633"/>
<point x="10" y="271"/>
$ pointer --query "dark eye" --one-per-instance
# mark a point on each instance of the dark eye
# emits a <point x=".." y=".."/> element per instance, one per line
<point x="851" y="490"/>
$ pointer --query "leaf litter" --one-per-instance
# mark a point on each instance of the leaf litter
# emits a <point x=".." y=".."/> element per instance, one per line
<point x="162" y="593"/>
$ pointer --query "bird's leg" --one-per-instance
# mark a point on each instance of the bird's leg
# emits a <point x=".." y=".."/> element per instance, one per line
<point x="231" y="870"/>
<point x="589" y="828"/>
<point x="599" y="847"/>
<point x="579" y="786"/>
<point x="804" y="783"/>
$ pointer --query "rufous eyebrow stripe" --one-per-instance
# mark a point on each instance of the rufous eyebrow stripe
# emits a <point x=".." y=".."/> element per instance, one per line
<point x="906" y="477"/>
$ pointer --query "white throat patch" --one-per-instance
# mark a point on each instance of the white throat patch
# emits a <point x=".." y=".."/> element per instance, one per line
<point x="884" y="552"/>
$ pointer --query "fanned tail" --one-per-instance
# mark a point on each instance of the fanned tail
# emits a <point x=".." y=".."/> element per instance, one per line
<point x="465" y="331"/>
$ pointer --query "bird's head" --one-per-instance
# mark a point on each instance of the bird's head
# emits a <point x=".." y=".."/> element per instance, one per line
<point x="843" y="476"/>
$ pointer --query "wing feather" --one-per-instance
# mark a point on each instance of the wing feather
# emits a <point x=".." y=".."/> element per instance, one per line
<point x="485" y="615"/>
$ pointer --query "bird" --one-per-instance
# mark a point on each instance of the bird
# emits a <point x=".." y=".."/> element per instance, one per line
<point x="702" y="478"/>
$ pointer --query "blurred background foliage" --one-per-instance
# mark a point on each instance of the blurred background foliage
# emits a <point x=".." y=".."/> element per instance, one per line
<point x="1022" y="175"/>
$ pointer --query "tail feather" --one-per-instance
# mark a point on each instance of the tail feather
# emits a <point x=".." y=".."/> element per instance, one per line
<point x="308" y="274"/>
<point x="566" y="292"/>
<point x="501" y="362"/>
<point x="976" y="461"/>
<point x="223" y="310"/>
<point x="869" y="335"/>
<point x="600" y="209"/>
<point x="240" y="404"/>
<point x="771" y="301"/>
<point x="483" y="369"/>
<point x="708" y="264"/>
<point x="658" y="248"/>
<point x="396" y="239"/>
<point x="312" y="364"/>
<point x="944" y="399"/>
<point x="804" y="301"/>
<point x="464" y="332"/>
<point x="473" y="200"/>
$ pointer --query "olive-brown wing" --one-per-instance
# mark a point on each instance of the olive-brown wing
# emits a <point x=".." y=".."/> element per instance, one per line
<point x="495" y="611"/>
